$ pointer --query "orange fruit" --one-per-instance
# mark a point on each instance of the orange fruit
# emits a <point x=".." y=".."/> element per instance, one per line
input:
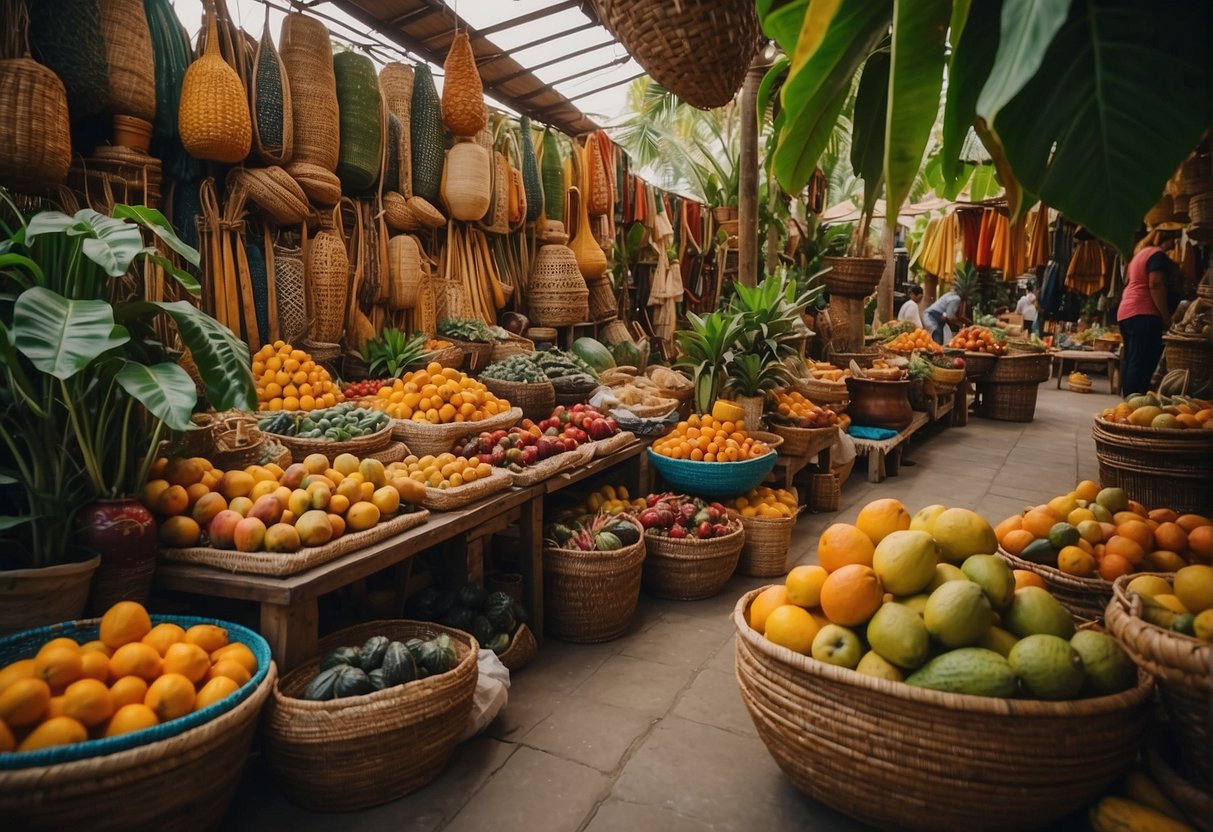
<point x="1139" y="532"/>
<point x="1108" y="529"/>
<point x="215" y="690"/>
<point x="792" y="627"/>
<point x="20" y="669"/>
<point x="1170" y="536"/>
<point x="190" y="660"/>
<point x="133" y="717"/>
<point x="1113" y="566"/>
<point x="136" y="659"/>
<point x="1016" y="541"/>
<point x="24" y="702"/>
<point x="1011" y="524"/>
<point x="1163" y="515"/>
<point x="1188" y="522"/>
<point x="98" y="646"/>
<point x="88" y="701"/>
<point x="123" y="623"/>
<point x="1200" y="543"/>
<point x="880" y="518"/>
<point x="1138" y="509"/>
<point x="95" y="665"/>
<point x="1025" y="578"/>
<point x="230" y="668"/>
<point x="163" y="636"/>
<point x="7" y="741"/>
<point x="1130" y="550"/>
<point x="128" y="690"/>
<point x="1087" y="490"/>
<point x="240" y="653"/>
<point x="1122" y="517"/>
<point x="841" y="544"/>
<point x="207" y="636"/>
<point x="851" y="595"/>
<point x="59" y="730"/>
<point x="804" y="585"/>
<point x="1074" y="561"/>
<point x="59" y="665"/>
<point x="1162" y="561"/>
<point x="1038" y="522"/>
<point x="765" y="603"/>
<point x="170" y="696"/>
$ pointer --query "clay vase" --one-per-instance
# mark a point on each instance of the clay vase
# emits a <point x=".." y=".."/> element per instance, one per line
<point x="879" y="404"/>
<point x="123" y="533"/>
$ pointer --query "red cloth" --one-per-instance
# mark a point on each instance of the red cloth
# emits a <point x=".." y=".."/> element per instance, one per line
<point x="1137" y="299"/>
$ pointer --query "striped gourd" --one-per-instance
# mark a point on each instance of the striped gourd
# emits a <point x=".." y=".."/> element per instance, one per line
<point x="531" y="184"/>
<point x="358" y="103"/>
<point x="553" y="178"/>
<point x="426" y="134"/>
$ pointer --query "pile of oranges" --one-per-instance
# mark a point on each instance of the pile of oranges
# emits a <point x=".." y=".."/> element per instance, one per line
<point x="794" y="407"/>
<point x="708" y="439"/>
<point x="288" y="379"/>
<point x="437" y="395"/>
<point x="766" y="502"/>
<point x="919" y="339"/>
<point x="977" y="339"/>
<point x="133" y="676"/>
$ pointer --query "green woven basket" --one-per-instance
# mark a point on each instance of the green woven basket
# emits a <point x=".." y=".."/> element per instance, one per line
<point x="553" y="178"/>
<point x="361" y="122"/>
<point x="428" y="137"/>
<point x="171" y="54"/>
<point x="391" y="175"/>
<point x="261" y="290"/>
<point x="531" y="183"/>
<point x="65" y="35"/>
<point x="271" y="98"/>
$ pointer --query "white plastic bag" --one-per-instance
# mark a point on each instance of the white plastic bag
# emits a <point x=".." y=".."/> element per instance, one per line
<point x="843" y="450"/>
<point x="492" y="693"/>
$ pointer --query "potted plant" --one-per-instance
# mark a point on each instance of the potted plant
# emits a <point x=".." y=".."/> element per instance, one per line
<point x="89" y="387"/>
<point x="393" y="353"/>
<point x="750" y="380"/>
<point x="707" y="346"/>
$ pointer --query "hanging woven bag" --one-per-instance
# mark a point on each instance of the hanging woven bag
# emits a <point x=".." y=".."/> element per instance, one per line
<point x="272" y="190"/>
<point x="289" y="283"/>
<point x="463" y="109"/>
<point x="307" y="56"/>
<point x="273" y="128"/>
<point x="404" y="268"/>
<point x="65" y="35"/>
<point x="396" y="82"/>
<point x="598" y="191"/>
<point x="128" y="54"/>
<point x="397" y="214"/>
<point x="213" y="117"/>
<point x="425" y="213"/>
<point x="557" y="294"/>
<point x="467" y="181"/>
<point x="552" y="170"/>
<point x="426" y="136"/>
<point x="391" y="170"/>
<point x="328" y="285"/>
<point x="35" y="133"/>
<point x="531" y="182"/>
<point x="497" y="218"/>
<point x="358" y="101"/>
<point x="591" y="259"/>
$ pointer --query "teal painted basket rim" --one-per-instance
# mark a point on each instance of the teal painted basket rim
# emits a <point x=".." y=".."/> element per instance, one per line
<point x="714" y="479"/>
<point x="24" y="644"/>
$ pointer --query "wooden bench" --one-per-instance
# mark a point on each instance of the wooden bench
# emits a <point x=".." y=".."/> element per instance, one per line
<point x="1076" y="357"/>
<point x="884" y="455"/>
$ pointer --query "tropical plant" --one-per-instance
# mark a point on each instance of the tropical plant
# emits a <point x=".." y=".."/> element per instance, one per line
<point x="393" y="353"/>
<point x="625" y="252"/>
<point x="707" y="346"/>
<point x="1064" y="116"/>
<point x="88" y="384"/>
<point x="752" y="375"/>
<point x="772" y="316"/>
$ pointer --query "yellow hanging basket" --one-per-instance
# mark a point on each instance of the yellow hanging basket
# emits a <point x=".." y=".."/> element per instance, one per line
<point x="213" y="118"/>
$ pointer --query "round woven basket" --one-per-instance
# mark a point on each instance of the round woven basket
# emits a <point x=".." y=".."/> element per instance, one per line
<point x="1179" y="663"/>
<point x="557" y="295"/>
<point x="797" y="441"/>
<point x="1192" y="354"/>
<point x="514" y="345"/>
<point x="452" y="357"/>
<point x="1008" y="401"/>
<point x="1159" y="467"/>
<point x="128" y="51"/>
<point x="1025" y="367"/>
<point x="522" y="650"/>
<point x="323" y="753"/>
<point x="1084" y="597"/>
<point x="713" y="479"/>
<point x="536" y="400"/>
<point x="541" y="333"/>
<point x="977" y="364"/>
<point x="476" y="354"/>
<point x="423" y="438"/>
<point x="903" y="757"/>
<point x="37" y="134"/>
<point x="467" y="182"/>
<point x="831" y="394"/>
<point x="854" y="277"/>
<point x="946" y="375"/>
<point x="590" y="597"/>
<point x="328" y="282"/>
<point x="691" y="569"/>
<point x="863" y="359"/>
<point x="764" y="554"/>
<point x="360" y="447"/>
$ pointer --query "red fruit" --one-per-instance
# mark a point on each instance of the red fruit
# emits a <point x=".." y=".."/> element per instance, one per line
<point x="704" y="531"/>
<point x="678" y="532"/>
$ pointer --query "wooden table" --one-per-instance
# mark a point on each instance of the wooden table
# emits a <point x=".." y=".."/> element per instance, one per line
<point x="1060" y="357"/>
<point x="787" y="468"/>
<point x="884" y="455"/>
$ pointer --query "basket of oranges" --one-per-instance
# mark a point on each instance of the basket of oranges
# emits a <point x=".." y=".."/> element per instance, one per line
<point x="712" y="457"/>
<point x="907" y="342"/>
<point x="768" y="515"/>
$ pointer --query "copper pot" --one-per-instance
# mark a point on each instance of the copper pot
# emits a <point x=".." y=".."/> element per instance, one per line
<point x="880" y="404"/>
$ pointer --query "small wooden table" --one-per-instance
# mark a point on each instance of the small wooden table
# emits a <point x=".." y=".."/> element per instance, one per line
<point x="787" y="468"/>
<point x="1060" y="357"/>
<point x="884" y="455"/>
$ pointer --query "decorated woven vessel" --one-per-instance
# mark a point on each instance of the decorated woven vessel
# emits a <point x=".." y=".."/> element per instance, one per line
<point x="557" y="294"/>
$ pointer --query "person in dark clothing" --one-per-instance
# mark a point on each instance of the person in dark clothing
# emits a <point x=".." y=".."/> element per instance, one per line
<point x="1143" y="314"/>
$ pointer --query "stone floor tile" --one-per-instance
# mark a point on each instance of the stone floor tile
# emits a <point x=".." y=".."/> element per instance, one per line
<point x="636" y="684"/>
<point x="616" y="815"/>
<point x="588" y="732"/>
<point x="713" y="699"/>
<point x="533" y="792"/>
<point x="561" y="666"/>
<point x="725" y="659"/>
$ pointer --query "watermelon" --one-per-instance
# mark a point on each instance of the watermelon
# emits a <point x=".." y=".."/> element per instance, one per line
<point x="626" y="354"/>
<point x="350" y="682"/>
<point x="471" y="596"/>
<point x="593" y="352"/>
<point x="372" y="652"/>
<point x="399" y="666"/>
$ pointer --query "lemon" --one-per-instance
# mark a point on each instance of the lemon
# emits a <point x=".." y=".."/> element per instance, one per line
<point x="804" y="585"/>
<point x="791" y="627"/>
<point x="1194" y="587"/>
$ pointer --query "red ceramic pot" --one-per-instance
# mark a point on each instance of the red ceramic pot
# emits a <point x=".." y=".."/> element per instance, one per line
<point x="123" y="533"/>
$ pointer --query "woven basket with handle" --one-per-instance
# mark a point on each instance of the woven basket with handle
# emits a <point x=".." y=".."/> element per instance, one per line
<point x="463" y="109"/>
<point x="213" y="117"/>
<point x="273" y="124"/>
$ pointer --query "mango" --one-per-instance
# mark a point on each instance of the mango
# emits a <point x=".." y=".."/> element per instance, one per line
<point x="282" y="538"/>
<point x="222" y="529"/>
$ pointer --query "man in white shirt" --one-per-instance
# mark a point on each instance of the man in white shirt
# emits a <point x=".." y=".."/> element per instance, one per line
<point x="910" y="310"/>
<point x="1027" y="308"/>
<point x="947" y="311"/>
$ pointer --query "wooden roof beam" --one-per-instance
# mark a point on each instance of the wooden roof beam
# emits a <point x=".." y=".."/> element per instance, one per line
<point x="529" y="17"/>
<point x="574" y="76"/>
<point x="504" y="53"/>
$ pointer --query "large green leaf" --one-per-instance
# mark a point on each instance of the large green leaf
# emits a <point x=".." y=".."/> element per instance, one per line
<point x="868" y="123"/>
<point x="166" y="390"/>
<point x="774" y="76"/>
<point x="1027" y="29"/>
<point x="920" y="29"/>
<point x="835" y="38"/>
<point x="781" y="21"/>
<point x="1121" y="98"/>
<point x="159" y="225"/>
<point x="110" y="243"/>
<point x="974" y="41"/>
<point x="61" y="337"/>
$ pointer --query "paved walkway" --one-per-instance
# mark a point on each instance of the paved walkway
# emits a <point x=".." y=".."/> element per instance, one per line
<point x="648" y="732"/>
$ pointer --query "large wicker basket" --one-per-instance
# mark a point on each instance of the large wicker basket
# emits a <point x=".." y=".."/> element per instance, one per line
<point x="764" y="552"/>
<point x="590" y="597"/>
<point x="854" y="277"/>
<point x="361" y="446"/>
<point x="1181" y="665"/>
<point x="557" y="295"/>
<point x="797" y="442"/>
<point x="359" y="751"/>
<point x="1192" y="354"/>
<point x="1032" y="367"/>
<point x="423" y="438"/>
<point x="1158" y="467"/>
<point x="1008" y="401"/>
<point x="902" y="757"/>
<point x="977" y="364"/>
<point x="536" y="400"/>
<point x="691" y="569"/>
<point x="1084" y="597"/>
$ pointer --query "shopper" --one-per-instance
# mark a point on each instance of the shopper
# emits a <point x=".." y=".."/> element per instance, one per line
<point x="949" y="310"/>
<point x="1027" y="308"/>
<point x="1143" y="314"/>
<point x="910" y="311"/>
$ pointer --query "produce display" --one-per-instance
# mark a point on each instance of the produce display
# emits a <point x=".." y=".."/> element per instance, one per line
<point x="521" y="367"/>
<point x="288" y="379"/>
<point x="923" y="600"/>
<point x="566" y="370"/>
<point x="888" y="369"/>
<point x="516" y="448"/>
<point x="442" y="471"/>
<point x="710" y="439"/>
<point x="792" y="408"/>
<point x="593" y="353"/>
<point x="1092" y="531"/>
<point x="609" y="499"/>
<point x="363" y="389"/>
<point x="1150" y="410"/>
<point x="491" y="618"/>
<point x="341" y="423"/>
<point x="577" y="420"/>
<point x="918" y="339"/>
<point x="593" y="533"/>
<point x="771" y="503"/>
<point x="645" y="396"/>
<point x="1185" y="606"/>
<point x="1079" y="381"/>
<point x="393" y="352"/>
<point x="264" y="508"/>
<point x="977" y="339"/>
<point x="379" y="664"/>
<point x="889" y="329"/>
<point x="825" y="371"/>
<point x="1195" y="320"/>
<point x="134" y="676"/>
<point x="466" y="329"/>
<point x="679" y="516"/>
<point x="437" y="395"/>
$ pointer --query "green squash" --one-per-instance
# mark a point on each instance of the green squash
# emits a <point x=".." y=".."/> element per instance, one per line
<point x="351" y="681"/>
<point x="399" y="666"/>
<point x="594" y="353"/>
<point x="499" y="610"/>
<point x="499" y="643"/>
<point x="458" y="618"/>
<point x="627" y="532"/>
<point x="607" y="542"/>
<point x="415" y="645"/>
<point x="482" y="630"/>
<point x="471" y="596"/>
<point x="372" y="652"/>
<point x="340" y="656"/>
<point x="378" y="679"/>
<point x="324" y="685"/>
<point x="438" y="654"/>
<point x="423" y="604"/>
<point x="444" y="601"/>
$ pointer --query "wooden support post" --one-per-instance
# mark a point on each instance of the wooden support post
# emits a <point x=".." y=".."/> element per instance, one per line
<point x="747" y="180"/>
<point x="530" y="540"/>
<point x="291" y="632"/>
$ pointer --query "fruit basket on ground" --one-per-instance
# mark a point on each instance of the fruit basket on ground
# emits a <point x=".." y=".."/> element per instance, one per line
<point x="712" y="456"/>
<point x="520" y="380"/>
<point x="882" y="687"/>
<point x="1143" y="620"/>
<point x="528" y="453"/>
<point x="344" y="428"/>
<point x="396" y="706"/>
<point x="692" y="546"/>
<point x="450" y="482"/>
<point x="494" y="619"/>
<point x="591" y="577"/>
<point x="266" y="520"/>
<point x="148" y="703"/>
<point x="767" y="515"/>
<point x="1008" y="391"/>
<point x="1155" y="448"/>
<point x="1080" y="542"/>
<point x="799" y="422"/>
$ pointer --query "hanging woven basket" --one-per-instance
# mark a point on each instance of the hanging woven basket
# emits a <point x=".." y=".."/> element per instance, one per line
<point x="328" y="282"/>
<point x="697" y="49"/>
<point x="213" y="117"/>
<point x="404" y="270"/>
<point x="35" y="132"/>
<point x="65" y="35"/>
<point x="273" y="127"/>
<point x="426" y="134"/>
<point x="396" y="83"/>
<point x="361" y="141"/>
<point x="557" y="294"/>
<point x="531" y="182"/>
<point x="467" y="181"/>
<point x="128" y="54"/>
<point x="463" y="109"/>
<point x="307" y="56"/>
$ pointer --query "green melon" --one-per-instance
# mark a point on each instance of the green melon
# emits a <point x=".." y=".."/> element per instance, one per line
<point x="594" y="353"/>
<point x="1047" y="666"/>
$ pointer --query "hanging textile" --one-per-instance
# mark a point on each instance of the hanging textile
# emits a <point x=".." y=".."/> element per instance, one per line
<point x="1088" y="269"/>
<point x="984" y="256"/>
<point x="937" y="253"/>
<point x="1012" y="249"/>
<point x="1052" y="290"/>
<point x="1038" y="238"/>
<point x="666" y="288"/>
<point x="969" y="230"/>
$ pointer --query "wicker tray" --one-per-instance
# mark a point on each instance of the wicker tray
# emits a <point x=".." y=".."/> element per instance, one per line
<point x="947" y="375"/>
<point x="392" y="452"/>
<point x="608" y="446"/>
<point x="449" y="499"/>
<point x="138" y="781"/>
<point x="977" y="364"/>
<point x="522" y="650"/>
<point x="551" y="466"/>
<point x="423" y="438"/>
<point x="360" y="447"/>
<point x="1157" y="466"/>
<point x="590" y="597"/>
<point x="823" y="393"/>
<point x="1179" y="663"/>
<point x="713" y="479"/>
<point x="359" y="751"/>
<point x="691" y="569"/>
<point x="897" y="756"/>
<point x="281" y="564"/>
<point x="536" y="400"/>
<point x="1084" y="597"/>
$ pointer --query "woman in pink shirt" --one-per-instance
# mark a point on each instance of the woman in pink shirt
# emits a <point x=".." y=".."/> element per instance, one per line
<point x="1143" y="315"/>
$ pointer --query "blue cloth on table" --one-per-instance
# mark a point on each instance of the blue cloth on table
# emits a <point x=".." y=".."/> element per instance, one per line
<point x="875" y="434"/>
